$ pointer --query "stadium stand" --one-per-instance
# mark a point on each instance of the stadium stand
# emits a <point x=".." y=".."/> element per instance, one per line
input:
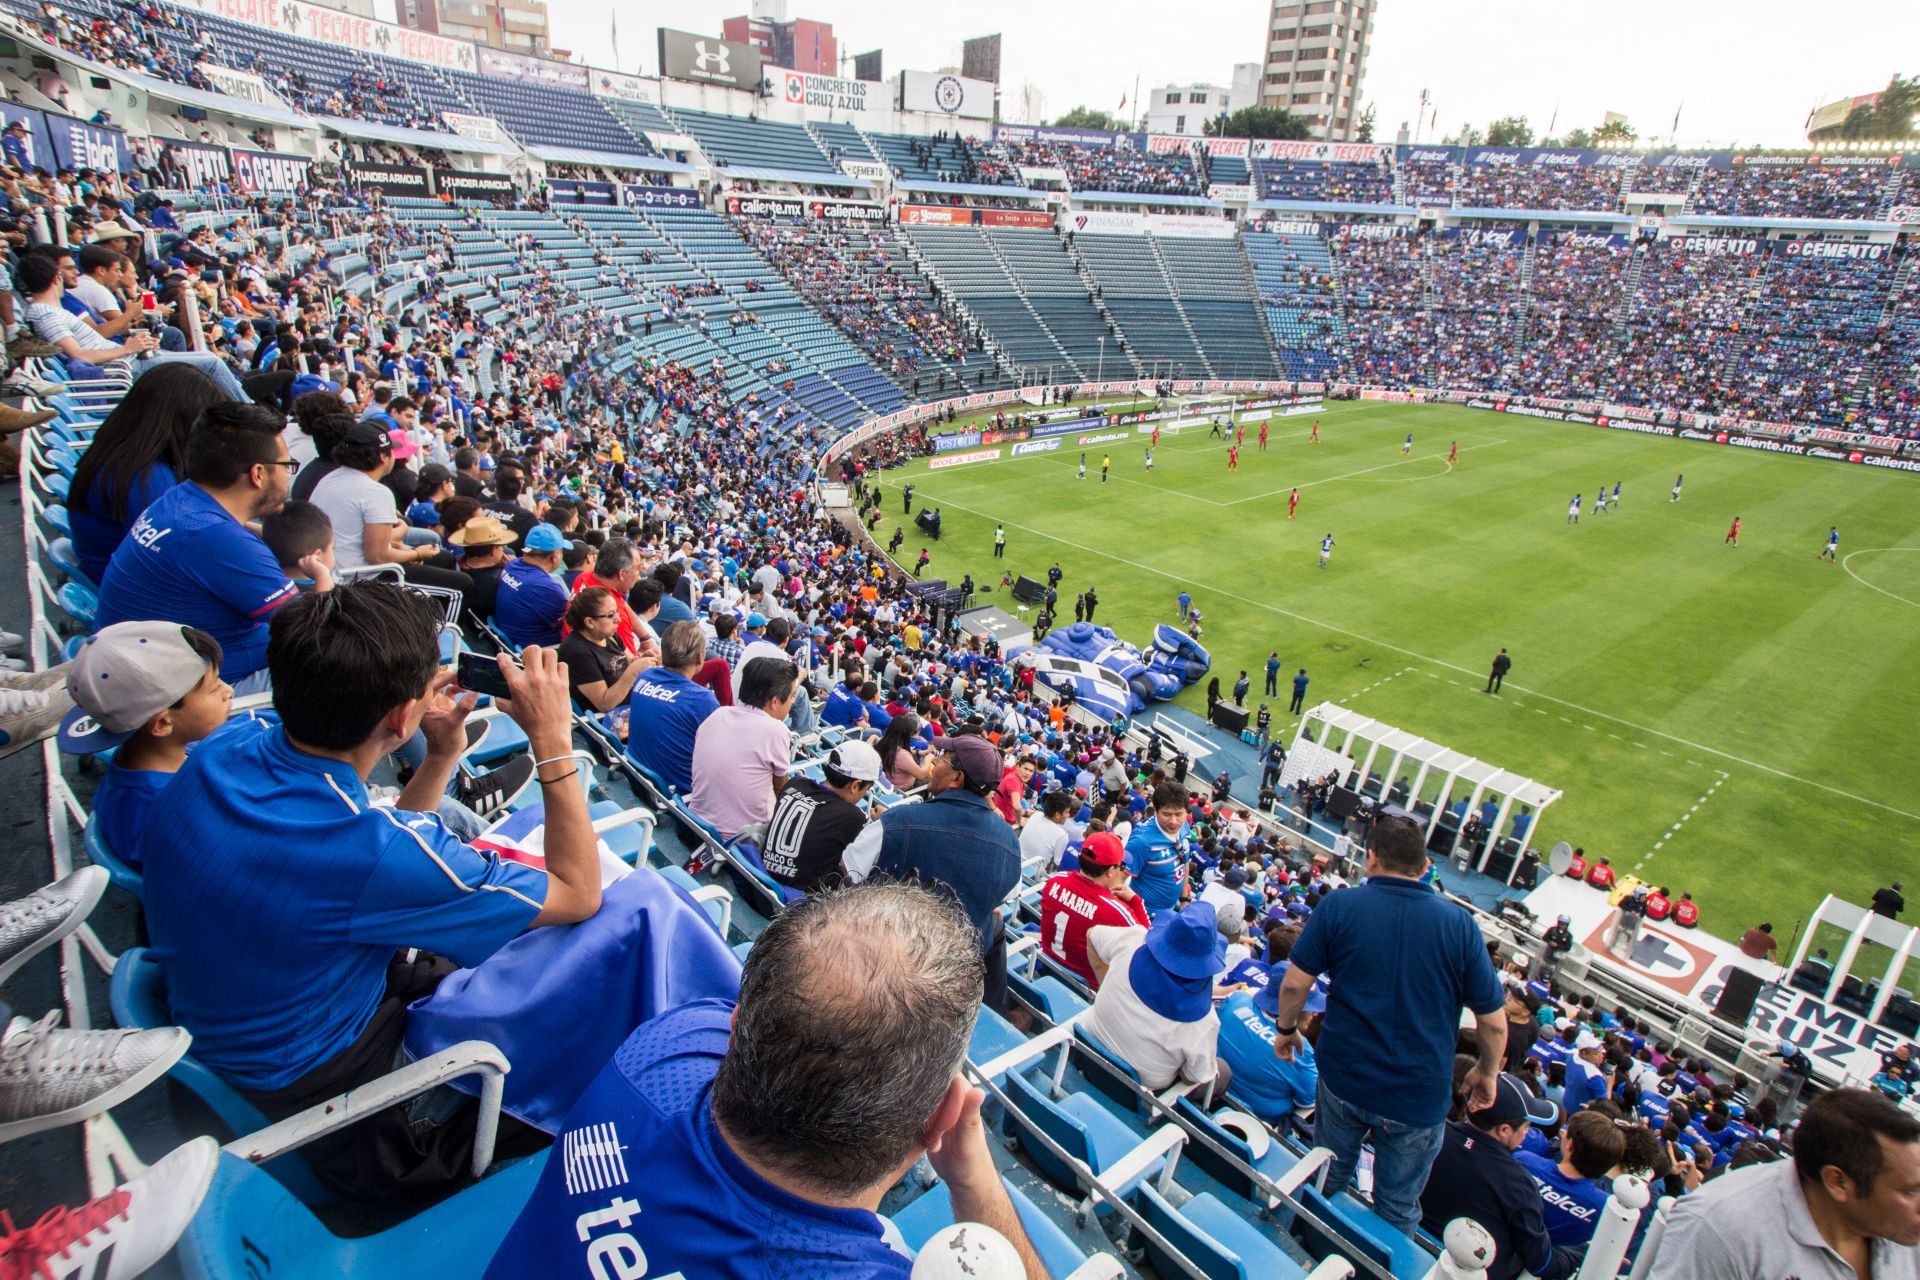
<point x="1386" y="286"/>
<point x="1299" y="294"/>
<point x="1792" y="187"/>
<point x="754" y="143"/>
<point x="1576" y="295"/>
<point x="1335" y="182"/>
<point x="1213" y="283"/>
<point x="1131" y="284"/>
<point x="1478" y="297"/>
<point x="1687" y="322"/>
<point x="1583" y="185"/>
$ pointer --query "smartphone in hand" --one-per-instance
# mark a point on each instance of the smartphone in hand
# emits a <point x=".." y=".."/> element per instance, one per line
<point x="480" y="673"/>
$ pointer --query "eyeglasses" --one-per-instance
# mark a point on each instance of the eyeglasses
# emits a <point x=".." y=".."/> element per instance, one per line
<point x="290" y="464"/>
<point x="602" y="617"/>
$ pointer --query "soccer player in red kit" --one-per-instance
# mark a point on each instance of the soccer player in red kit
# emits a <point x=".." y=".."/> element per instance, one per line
<point x="1098" y="893"/>
<point x="1453" y="454"/>
<point x="1263" y="437"/>
<point x="1240" y="435"/>
<point x="1315" y="437"/>
<point x="1233" y="458"/>
<point x="1733" y="534"/>
<point x="1293" y="503"/>
<point x="1156" y="437"/>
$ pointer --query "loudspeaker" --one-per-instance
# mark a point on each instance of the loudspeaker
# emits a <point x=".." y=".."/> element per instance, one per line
<point x="1027" y="591"/>
<point x="1737" y="997"/>
<point x="1230" y="716"/>
<point x="1342" y="804"/>
<point x="1501" y="860"/>
<point x="1902" y="1016"/>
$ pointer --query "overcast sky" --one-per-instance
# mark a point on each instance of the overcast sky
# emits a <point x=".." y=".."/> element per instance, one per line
<point x="1746" y="74"/>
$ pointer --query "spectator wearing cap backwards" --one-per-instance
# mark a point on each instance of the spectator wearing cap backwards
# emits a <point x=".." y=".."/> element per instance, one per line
<point x="532" y="602"/>
<point x="1096" y="893"/>
<point x="1477" y="1175"/>
<point x="1271" y="1089"/>
<point x="814" y="822"/>
<point x="953" y="840"/>
<point x="1154" y="1006"/>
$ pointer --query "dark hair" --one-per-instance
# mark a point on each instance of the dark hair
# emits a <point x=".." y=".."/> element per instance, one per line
<point x="667" y="574"/>
<point x="507" y="483"/>
<point x="95" y="256"/>
<point x="880" y="973"/>
<point x="310" y="408"/>
<point x="1054" y="802"/>
<point x="295" y="530"/>
<point x="584" y="605"/>
<point x="897" y="737"/>
<point x="645" y="594"/>
<point x="1169" y="795"/>
<point x="400" y="404"/>
<point x="765" y="680"/>
<point x="36" y="272"/>
<point x="724" y="625"/>
<point x="1843" y="1128"/>
<point x="209" y="650"/>
<point x="1398" y="843"/>
<point x="778" y="629"/>
<point x="360" y="457"/>
<point x="456" y="511"/>
<point x="229" y="440"/>
<point x="1594" y="1143"/>
<point x="149" y="427"/>
<point x="342" y="659"/>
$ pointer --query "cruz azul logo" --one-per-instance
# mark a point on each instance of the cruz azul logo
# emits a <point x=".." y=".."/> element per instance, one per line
<point x="949" y="94"/>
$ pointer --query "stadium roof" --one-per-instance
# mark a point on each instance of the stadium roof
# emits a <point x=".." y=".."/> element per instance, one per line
<point x="757" y="173"/>
<point x="608" y="159"/>
<point x="1137" y="197"/>
<point x="369" y="132"/>
<point x="223" y="103"/>
<point x="1331" y="206"/>
<point x="966" y="189"/>
<point x="1441" y="760"/>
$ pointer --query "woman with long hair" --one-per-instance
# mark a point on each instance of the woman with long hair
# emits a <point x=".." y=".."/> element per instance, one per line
<point x="904" y="766"/>
<point x="138" y="453"/>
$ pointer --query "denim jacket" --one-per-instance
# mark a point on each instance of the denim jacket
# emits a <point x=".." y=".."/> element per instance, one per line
<point x="955" y="840"/>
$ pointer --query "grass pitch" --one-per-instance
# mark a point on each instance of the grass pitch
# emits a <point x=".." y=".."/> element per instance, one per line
<point x="1739" y="722"/>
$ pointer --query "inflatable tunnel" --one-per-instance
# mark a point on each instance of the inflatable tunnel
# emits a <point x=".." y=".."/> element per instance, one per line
<point x="1111" y="677"/>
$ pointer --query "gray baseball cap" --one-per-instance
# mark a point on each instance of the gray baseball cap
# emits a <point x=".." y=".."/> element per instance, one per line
<point x="124" y="676"/>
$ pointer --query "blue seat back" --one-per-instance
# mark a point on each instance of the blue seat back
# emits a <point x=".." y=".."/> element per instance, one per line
<point x="1108" y="1072"/>
<point x="121" y="872"/>
<point x="1206" y="1159"/>
<point x="139" y="998"/>
<point x="1316" y="1242"/>
<point x="1056" y="1124"/>
<point x="751" y="861"/>
<point x="1197" y="1247"/>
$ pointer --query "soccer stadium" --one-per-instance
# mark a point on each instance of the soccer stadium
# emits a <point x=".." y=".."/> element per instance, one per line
<point x="822" y="671"/>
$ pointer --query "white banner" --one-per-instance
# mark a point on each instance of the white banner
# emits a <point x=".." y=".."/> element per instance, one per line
<point x="1239" y="147"/>
<point x="1040" y="173"/>
<point x="961" y="459"/>
<point x="873" y="170"/>
<point x="479" y="128"/>
<point x="1169" y="144"/>
<point x="345" y="30"/>
<point x="1035" y="446"/>
<point x="1906" y="213"/>
<point x="1113" y="222"/>
<point x="824" y="93"/>
<point x="1346" y="152"/>
<point x="611" y="84"/>
<point x="1240" y="192"/>
<point x="946" y="95"/>
<point x="237" y="84"/>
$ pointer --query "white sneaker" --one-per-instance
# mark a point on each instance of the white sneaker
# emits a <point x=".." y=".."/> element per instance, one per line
<point x="50" y="1077"/>
<point x="14" y="664"/>
<point x="28" y="715"/>
<point x="12" y="642"/>
<point x="26" y="384"/>
<point x="124" y="1232"/>
<point x="31" y="924"/>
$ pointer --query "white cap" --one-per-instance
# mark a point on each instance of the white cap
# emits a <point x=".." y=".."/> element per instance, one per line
<point x="967" y="1251"/>
<point x="855" y="760"/>
<point x="1587" y="1040"/>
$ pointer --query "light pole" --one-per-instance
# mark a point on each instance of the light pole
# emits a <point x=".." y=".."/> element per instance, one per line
<point x="1100" y="374"/>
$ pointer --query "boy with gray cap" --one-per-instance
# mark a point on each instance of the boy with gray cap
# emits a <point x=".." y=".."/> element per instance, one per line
<point x="152" y="689"/>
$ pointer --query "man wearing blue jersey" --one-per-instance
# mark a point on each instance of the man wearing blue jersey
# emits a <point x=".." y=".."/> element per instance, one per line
<point x="1832" y="550"/>
<point x="1157" y="851"/>
<point x="757" y="1139"/>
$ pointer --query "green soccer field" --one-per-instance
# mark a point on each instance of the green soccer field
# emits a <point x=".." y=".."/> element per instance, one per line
<point x="1736" y="722"/>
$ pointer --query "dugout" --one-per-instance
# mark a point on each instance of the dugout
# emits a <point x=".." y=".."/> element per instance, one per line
<point x="1384" y="764"/>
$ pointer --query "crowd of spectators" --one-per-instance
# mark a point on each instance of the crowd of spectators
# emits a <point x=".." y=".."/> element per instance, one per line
<point x="1578" y="288"/>
<point x="1113" y="168"/>
<point x="1539" y="186"/>
<point x="1350" y="183"/>
<point x="1383" y="284"/>
<point x="862" y="281"/>
<point x="1797" y="190"/>
<point x="1692" y="308"/>
<point x="1476" y="300"/>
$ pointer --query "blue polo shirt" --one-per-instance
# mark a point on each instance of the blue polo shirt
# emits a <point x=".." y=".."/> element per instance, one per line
<point x="120" y="807"/>
<point x="1585" y="1083"/>
<point x="665" y="711"/>
<point x="276" y="897"/>
<point x="642" y="1182"/>
<point x="1272" y="1089"/>
<point x="1570" y="1206"/>
<point x="1402" y="962"/>
<point x="531" y="604"/>
<point x="187" y="560"/>
<point x="843" y="707"/>
<point x="1159" y="864"/>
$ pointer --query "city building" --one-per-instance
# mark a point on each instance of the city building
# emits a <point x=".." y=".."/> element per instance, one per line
<point x="1316" y="62"/>
<point x="798" y="44"/>
<point x="517" y="26"/>
<point x="1184" y="109"/>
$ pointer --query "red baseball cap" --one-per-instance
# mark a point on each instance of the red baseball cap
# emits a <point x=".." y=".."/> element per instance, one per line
<point x="1102" y="849"/>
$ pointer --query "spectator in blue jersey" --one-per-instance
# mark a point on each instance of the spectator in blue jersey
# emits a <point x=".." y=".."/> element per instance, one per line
<point x="758" y="1139"/>
<point x="1586" y="1080"/>
<point x="1157" y="851"/>
<point x="667" y="708"/>
<point x="295" y="920"/>
<point x="1273" y="1089"/>
<point x="1403" y="961"/>
<point x="1575" y="1187"/>
<point x="191" y="559"/>
<point x="137" y="454"/>
<point x="146" y="691"/>
<point x="1477" y="1175"/>
<point x="531" y="603"/>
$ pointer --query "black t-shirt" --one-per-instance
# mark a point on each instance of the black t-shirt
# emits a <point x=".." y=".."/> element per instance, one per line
<point x="310" y="476"/>
<point x="810" y="828"/>
<point x="513" y="515"/>
<point x="486" y="586"/>
<point x="590" y="663"/>
<point x="465" y="486"/>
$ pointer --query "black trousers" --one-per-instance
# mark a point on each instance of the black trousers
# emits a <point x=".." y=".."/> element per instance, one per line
<point x="1273" y="686"/>
<point x="1299" y="696"/>
<point x="1493" y="681"/>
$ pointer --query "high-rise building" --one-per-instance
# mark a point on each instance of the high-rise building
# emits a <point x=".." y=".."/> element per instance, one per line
<point x="798" y="44"/>
<point x="1316" y="62"/>
<point x="518" y="26"/>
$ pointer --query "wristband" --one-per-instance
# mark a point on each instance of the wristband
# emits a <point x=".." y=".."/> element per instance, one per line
<point x="553" y="760"/>
<point x="1287" y="1031"/>
<point x="560" y="777"/>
